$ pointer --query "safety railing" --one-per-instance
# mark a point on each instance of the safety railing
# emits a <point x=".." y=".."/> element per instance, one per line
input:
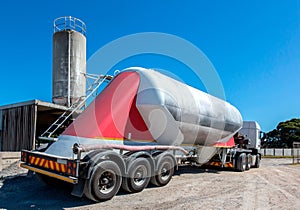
<point x="69" y="23"/>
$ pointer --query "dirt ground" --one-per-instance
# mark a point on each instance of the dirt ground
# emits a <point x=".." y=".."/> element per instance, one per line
<point x="276" y="185"/>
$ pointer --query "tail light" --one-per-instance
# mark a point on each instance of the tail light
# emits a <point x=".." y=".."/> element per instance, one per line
<point x="71" y="168"/>
<point x="23" y="156"/>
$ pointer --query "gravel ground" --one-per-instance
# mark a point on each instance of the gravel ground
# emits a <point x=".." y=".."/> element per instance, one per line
<point x="276" y="185"/>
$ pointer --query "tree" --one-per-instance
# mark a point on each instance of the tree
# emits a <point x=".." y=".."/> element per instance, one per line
<point x="272" y="139"/>
<point x="284" y="135"/>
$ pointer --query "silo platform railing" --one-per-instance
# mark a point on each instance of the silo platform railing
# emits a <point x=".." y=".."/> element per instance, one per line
<point x="69" y="23"/>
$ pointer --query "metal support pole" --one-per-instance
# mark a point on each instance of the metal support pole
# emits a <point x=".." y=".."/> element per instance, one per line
<point x="69" y="69"/>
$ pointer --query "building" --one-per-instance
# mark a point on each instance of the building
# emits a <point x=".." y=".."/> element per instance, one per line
<point x="22" y="123"/>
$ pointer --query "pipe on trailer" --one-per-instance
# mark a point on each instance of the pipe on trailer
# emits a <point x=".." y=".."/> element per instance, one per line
<point x="77" y="149"/>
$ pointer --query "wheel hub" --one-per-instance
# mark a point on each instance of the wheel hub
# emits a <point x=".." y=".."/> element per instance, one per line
<point x="106" y="182"/>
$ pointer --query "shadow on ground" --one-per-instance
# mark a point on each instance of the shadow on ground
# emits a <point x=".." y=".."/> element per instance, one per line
<point x="197" y="170"/>
<point x="28" y="192"/>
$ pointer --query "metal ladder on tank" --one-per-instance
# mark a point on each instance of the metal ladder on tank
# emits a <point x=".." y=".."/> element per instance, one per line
<point x="91" y="91"/>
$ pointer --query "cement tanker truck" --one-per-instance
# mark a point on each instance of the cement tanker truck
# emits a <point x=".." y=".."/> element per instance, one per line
<point x="137" y="131"/>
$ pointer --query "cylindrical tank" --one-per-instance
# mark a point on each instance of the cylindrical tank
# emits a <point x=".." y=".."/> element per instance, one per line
<point x="177" y="114"/>
<point x="142" y="105"/>
<point x="69" y="61"/>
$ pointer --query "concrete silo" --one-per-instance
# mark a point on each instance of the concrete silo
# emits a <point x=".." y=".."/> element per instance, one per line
<point x="69" y="61"/>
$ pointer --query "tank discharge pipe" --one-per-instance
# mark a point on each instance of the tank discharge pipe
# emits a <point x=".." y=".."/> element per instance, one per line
<point x="78" y="149"/>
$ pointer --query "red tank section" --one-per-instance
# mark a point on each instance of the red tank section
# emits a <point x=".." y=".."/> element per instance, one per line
<point x="229" y="144"/>
<point x="113" y="114"/>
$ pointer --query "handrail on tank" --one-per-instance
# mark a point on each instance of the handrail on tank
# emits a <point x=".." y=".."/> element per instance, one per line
<point x="69" y="22"/>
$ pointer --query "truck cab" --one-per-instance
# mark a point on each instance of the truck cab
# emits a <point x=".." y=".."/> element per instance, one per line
<point x="251" y="130"/>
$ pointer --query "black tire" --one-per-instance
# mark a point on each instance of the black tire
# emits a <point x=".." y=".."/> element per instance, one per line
<point x="165" y="171"/>
<point x="139" y="173"/>
<point x="106" y="180"/>
<point x="88" y="193"/>
<point x="257" y="161"/>
<point x="241" y="162"/>
<point x="249" y="162"/>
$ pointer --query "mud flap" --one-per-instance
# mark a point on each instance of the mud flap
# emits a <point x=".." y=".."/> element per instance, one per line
<point x="78" y="189"/>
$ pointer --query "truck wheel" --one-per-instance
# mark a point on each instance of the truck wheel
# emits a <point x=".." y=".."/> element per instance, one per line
<point x="106" y="180"/>
<point x="139" y="173"/>
<point x="249" y="161"/>
<point x="257" y="161"/>
<point x="164" y="173"/>
<point x="241" y="162"/>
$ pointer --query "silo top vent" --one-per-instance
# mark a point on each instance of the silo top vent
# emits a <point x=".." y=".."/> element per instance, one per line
<point x="69" y="23"/>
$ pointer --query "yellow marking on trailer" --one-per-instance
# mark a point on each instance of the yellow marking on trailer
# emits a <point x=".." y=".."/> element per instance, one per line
<point x="109" y="139"/>
<point x="57" y="166"/>
<point x="42" y="162"/>
<point x="37" y="161"/>
<point x="51" y="164"/>
<point x="230" y="165"/>
<point x="32" y="158"/>
<point x="46" y="164"/>
<point x="122" y="139"/>
<point x="63" y="168"/>
<point x="215" y="163"/>
<point x="57" y="176"/>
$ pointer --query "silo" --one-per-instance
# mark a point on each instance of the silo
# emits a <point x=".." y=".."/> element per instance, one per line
<point x="69" y="61"/>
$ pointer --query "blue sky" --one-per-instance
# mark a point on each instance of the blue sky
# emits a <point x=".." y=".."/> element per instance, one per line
<point x="253" y="45"/>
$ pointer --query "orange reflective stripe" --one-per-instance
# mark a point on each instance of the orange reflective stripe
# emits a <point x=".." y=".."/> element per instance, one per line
<point x="51" y="165"/>
<point x="42" y="162"/>
<point x="229" y="165"/>
<point x="46" y="165"/>
<point x="57" y="166"/>
<point x="63" y="168"/>
<point x="31" y="159"/>
<point x="37" y="161"/>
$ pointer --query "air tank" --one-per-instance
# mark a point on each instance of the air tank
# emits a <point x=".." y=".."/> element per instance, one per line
<point x="69" y="61"/>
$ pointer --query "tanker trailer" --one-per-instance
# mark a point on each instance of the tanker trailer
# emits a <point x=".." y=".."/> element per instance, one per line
<point x="135" y="132"/>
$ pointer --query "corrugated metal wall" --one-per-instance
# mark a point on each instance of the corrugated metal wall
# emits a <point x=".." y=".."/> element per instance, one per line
<point x="18" y="128"/>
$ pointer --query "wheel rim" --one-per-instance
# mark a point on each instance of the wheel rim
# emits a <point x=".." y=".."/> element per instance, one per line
<point x="249" y="161"/>
<point x="244" y="163"/>
<point x="165" y="171"/>
<point x="140" y="175"/>
<point x="107" y="181"/>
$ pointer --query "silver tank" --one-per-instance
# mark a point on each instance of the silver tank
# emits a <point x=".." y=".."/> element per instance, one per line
<point x="69" y="61"/>
<point x="178" y="114"/>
